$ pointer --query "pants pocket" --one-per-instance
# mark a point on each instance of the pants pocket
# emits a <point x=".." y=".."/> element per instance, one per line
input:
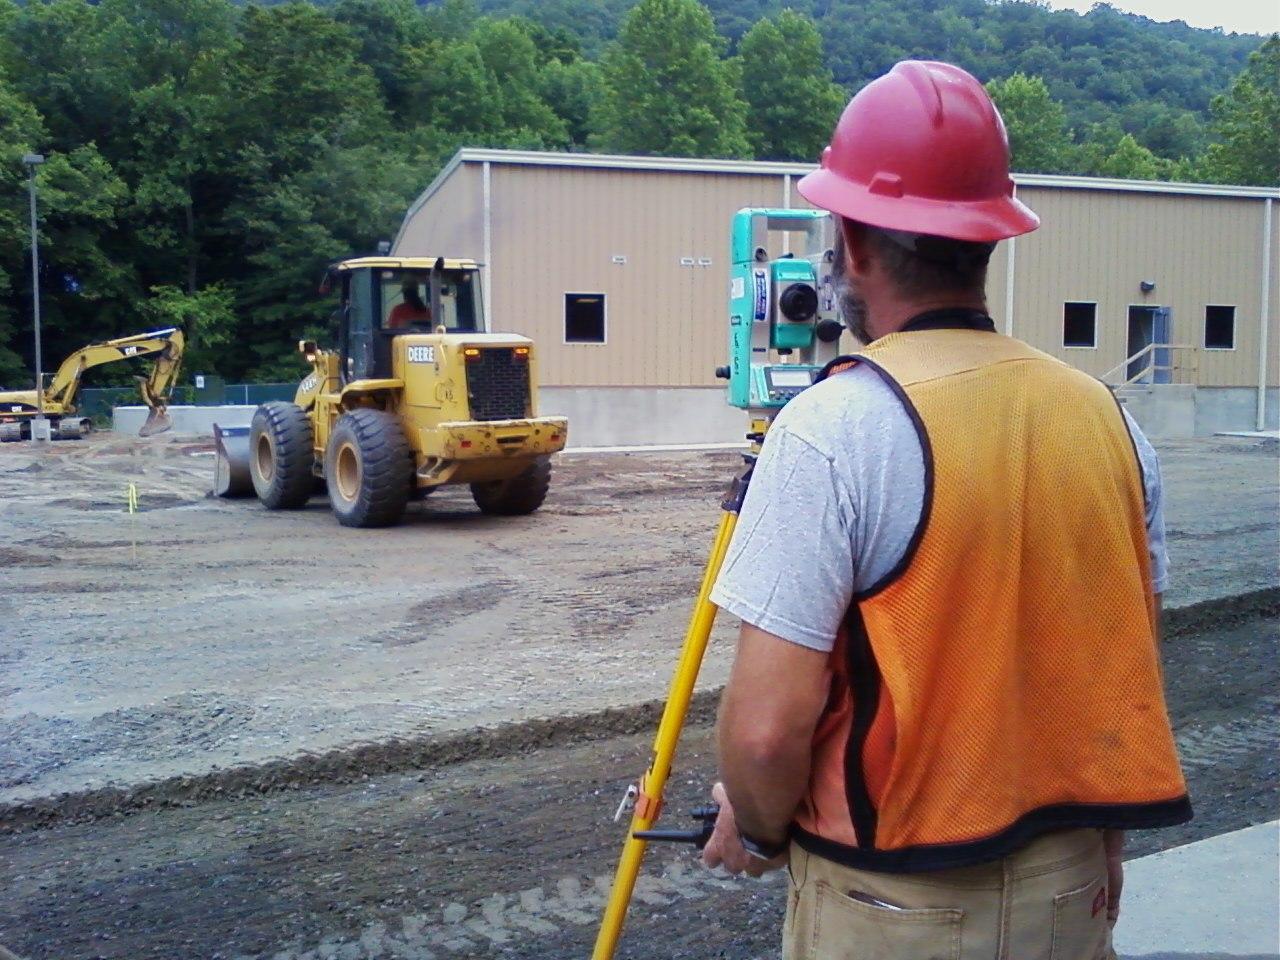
<point x="1080" y="929"/>
<point x="849" y="929"/>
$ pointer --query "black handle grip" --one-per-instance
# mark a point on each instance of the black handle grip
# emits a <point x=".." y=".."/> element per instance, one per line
<point x="698" y="836"/>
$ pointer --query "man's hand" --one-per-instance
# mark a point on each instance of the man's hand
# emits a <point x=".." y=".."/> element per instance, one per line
<point x="1113" y="842"/>
<point x="725" y="848"/>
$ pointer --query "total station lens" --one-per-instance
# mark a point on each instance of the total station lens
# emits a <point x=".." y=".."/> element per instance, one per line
<point x="799" y="303"/>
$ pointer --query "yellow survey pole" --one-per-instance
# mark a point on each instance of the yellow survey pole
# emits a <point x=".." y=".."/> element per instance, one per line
<point x="648" y="801"/>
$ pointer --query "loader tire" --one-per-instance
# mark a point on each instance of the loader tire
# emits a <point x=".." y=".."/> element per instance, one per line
<point x="281" y="455"/>
<point x="368" y="468"/>
<point x="521" y="494"/>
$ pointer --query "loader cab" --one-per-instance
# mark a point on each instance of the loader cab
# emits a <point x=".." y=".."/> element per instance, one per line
<point x="384" y="298"/>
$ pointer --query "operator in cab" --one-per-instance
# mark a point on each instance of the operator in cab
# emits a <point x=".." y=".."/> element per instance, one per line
<point x="412" y="309"/>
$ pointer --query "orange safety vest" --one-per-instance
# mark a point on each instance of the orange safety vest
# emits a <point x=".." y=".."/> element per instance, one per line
<point x="1004" y="681"/>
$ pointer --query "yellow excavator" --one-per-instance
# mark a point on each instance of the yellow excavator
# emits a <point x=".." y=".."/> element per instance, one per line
<point x="18" y="408"/>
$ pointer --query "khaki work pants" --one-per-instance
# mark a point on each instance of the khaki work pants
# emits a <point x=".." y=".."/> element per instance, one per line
<point x="1045" y="902"/>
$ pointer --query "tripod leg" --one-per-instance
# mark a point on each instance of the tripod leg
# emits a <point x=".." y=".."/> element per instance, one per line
<point x="664" y="745"/>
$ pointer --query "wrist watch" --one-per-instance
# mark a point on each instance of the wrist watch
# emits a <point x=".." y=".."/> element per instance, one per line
<point x="762" y="849"/>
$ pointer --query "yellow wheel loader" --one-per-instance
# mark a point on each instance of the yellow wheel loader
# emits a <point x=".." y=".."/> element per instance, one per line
<point x="417" y="395"/>
<point x="18" y="408"/>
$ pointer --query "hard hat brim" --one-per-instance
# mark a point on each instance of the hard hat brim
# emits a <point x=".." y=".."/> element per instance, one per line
<point x="979" y="221"/>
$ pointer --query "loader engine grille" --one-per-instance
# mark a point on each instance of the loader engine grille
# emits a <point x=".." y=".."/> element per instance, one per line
<point x="498" y="385"/>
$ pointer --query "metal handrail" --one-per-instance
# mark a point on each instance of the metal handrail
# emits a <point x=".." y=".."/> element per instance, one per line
<point x="1150" y="368"/>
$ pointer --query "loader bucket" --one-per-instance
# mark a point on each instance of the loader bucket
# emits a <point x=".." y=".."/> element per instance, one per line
<point x="158" y="421"/>
<point x="231" y="462"/>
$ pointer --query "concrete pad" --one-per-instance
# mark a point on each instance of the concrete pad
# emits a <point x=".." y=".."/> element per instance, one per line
<point x="1218" y="897"/>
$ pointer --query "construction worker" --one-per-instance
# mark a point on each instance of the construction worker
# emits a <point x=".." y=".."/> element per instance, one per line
<point x="946" y="702"/>
<point x="412" y="309"/>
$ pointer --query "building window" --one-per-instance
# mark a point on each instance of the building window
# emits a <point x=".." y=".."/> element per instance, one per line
<point x="1219" y="328"/>
<point x="1079" y="324"/>
<point x="584" y="318"/>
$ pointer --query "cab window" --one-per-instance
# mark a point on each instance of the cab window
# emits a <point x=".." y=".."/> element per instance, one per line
<point x="406" y="301"/>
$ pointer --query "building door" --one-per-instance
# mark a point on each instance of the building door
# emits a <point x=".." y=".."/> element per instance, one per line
<point x="1148" y="325"/>
<point x="1160" y="318"/>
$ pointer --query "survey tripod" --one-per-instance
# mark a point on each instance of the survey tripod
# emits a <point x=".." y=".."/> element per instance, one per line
<point x="783" y="329"/>
<point x="645" y="798"/>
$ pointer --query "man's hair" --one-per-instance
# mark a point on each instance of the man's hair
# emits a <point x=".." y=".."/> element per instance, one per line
<point x="921" y="263"/>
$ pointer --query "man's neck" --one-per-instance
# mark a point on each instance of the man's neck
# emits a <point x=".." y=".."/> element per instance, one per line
<point x="892" y="315"/>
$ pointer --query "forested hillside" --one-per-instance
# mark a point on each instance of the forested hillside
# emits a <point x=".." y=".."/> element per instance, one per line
<point x="1153" y="80"/>
<point x="206" y="159"/>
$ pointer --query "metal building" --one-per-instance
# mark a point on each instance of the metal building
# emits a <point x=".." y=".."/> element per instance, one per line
<point x="617" y="266"/>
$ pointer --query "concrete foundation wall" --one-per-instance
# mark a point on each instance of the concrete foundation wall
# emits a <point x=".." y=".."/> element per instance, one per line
<point x="1234" y="408"/>
<point x="641" y="416"/>
<point x="636" y="416"/>
<point x="1173" y="411"/>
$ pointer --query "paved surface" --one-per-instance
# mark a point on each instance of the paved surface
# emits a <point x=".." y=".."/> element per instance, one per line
<point x="202" y="634"/>
<point x="511" y="858"/>
<point x="1220" y="895"/>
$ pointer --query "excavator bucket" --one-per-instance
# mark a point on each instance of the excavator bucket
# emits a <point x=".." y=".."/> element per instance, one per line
<point x="231" y="462"/>
<point x="158" y="421"/>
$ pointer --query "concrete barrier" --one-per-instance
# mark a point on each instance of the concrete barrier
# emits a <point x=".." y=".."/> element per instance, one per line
<point x="187" y="421"/>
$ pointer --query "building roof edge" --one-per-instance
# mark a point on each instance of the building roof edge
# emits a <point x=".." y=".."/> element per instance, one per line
<point x="607" y="161"/>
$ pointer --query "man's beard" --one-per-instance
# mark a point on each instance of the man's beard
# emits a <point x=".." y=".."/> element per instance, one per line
<point x="853" y="309"/>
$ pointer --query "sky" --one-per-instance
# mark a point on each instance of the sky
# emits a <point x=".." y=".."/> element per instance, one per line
<point x="1238" y="16"/>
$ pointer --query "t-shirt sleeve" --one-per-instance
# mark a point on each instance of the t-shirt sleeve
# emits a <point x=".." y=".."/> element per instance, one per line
<point x="1153" y="490"/>
<point x="775" y="575"/>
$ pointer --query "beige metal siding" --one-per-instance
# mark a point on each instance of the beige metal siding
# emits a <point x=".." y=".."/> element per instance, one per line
<point x="451" y="222"/>
<point x="1098" y="246"/>
<point x="556" y="231"/>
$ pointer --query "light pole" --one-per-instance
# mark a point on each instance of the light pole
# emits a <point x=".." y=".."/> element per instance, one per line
<point x="39" y="426"/>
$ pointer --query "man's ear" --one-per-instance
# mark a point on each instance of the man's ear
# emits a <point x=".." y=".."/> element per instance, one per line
<point x="857" y="249"/>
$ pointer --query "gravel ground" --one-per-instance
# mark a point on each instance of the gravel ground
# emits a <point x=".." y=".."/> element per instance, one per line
<point x="201" y="634"/>
<point x="512" y="858"/>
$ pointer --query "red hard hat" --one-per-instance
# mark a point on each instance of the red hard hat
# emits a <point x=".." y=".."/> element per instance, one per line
<point x="922" y="149"/>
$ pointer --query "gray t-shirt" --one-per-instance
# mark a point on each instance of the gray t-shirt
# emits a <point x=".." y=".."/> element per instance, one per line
<point x="834" y="500"/>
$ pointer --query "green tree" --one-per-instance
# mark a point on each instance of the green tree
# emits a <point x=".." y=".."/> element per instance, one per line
<point x="1247" y="123"/>
<point x="666" y="89"/>
<point x="571" y="90"/>
<point x="792" y="102"/>
<point x="1130" y="160"/>
<point x="207" y="317"/>
<point x="20" y="133"/>
<point x="385" y="30"/>
<point x="511" y="58"/>
<point x="1037" y="124"/>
